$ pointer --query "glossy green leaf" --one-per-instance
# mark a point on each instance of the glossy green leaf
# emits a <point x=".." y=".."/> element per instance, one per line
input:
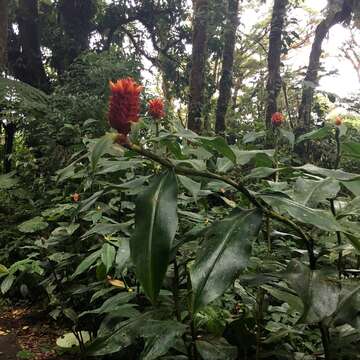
<point x="311" y="193"/>
<point x="101" y="147"/>
<point x="351" y="149"/>
<point x="216" y="349"/>
<point x="86" y="263"/>
<point x="108" y="256"/>
<point x="219" y="144"/>
<point x="320" y="218"/>
<point x="155" y="227"/>
<point x="261" y="172"/>
<point x="192" y="186"/>
<point x="243" y="157"/>
<point x="33" y="225"/>
<point x="289" y="136"/>
<point x="7" y="283"/>
<point x="336" y="174"/>
<point x="353" y="186"/>
<point x="159" y="337"/>
<point x="224" y="252"/>
<point x="319" y="294"/>
<point x="253" y="136"/>
<point x="316" y="134"/>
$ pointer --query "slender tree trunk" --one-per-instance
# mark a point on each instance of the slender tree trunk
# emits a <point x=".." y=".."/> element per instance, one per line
<point x="29" y="66"/>
<point x="3" y="33"/>
<point x="227" y="66"/>
<point x="197" y="74"/>
<point x="273" y="86"/>
<point x="311" y="78"/>
<point x="76" y="19"/>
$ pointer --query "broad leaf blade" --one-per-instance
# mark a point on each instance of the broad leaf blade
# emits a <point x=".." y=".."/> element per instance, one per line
<point x="223" y="254"/>
<point x="155" y="227"/>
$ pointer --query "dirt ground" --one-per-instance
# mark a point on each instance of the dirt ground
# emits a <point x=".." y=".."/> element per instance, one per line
<point x="25" y="335"/>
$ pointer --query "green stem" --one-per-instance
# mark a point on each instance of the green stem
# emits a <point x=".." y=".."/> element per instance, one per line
<point x="339" y="241"/>
<point x="338" y="148"/>
<point x="268" y="234"/>
<point x="176" y="290"/>
<point x="325" y="338"/>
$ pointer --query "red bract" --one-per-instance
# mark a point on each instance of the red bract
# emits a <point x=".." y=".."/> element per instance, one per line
<point x="277" y="119"/>
<point x="156" y="108"/>
<point x="338" y="121"/>
<point x="124" y="105"/>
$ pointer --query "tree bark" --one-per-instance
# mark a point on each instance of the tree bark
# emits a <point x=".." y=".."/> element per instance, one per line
<point x="273" y="86"/>
<point x="227" y="66"/>
<point x="3" y="33"/>
<point x="197" y="74"/>
<point x="76" y="20"/>
<point x="28" y="67"/>
<point x="311" y="78"/>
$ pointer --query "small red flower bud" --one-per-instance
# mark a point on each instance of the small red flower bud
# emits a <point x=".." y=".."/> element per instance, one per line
<point x="75" y="197"/>
<point x="156" y="108"/>
<point x="338" y="121"/>
<point x="124" y="104"/>
<point x="277" y="119"/>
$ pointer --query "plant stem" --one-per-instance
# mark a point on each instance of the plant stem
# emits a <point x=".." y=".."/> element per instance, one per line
<point x="192" y="348"/>
<point x="266" y="209"/>
<point x="176" y="290"/>
<point x="268" y="234"/>
<point x="259" y="320"/>
<point x="325" y="338"/>
<point x="338" y="148"/>
<point x="339" y="241"/>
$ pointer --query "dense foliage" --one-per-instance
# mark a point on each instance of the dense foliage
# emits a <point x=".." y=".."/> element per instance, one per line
<point x="153" y="241"/>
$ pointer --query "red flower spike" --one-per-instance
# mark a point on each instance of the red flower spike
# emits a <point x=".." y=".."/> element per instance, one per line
<point x="156" y="108"/>
<point x="277" y="119"/>
<point x="338" y="121"/>
<point x="124" y="104"/>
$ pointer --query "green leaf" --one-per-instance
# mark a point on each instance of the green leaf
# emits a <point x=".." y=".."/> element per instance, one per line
<point x="319" y="294"/>
<point x="33" y="225"/>
<point x="122" y="255"/>
<point x="261" y="172"/>
<point x="253" y="136"/>
<point x="108" y="256"/>
<point x="219" y="144"/>
<point x="351" y="149"/>
<point x="7" y="181"/>
<point x="243" y="157"/>
<point x="353" y="186"/>
<point x="289" y="136"/>
<point x="7" y="283"/>
<point x="159" y="337"/>
<point x="224" y="252"/>
<point x="86" y="263"/>
<point x="316" y="134"/>
<point x="336" y="174"/>
<point x="117" y="302"/>
<point x="311" y="192"/>
<point x="156" y="223"/>
<point x="320" y="218"/>
<point x="216" y="349"/>
<point x="106" y="229"/>
<point x="101" y="147"/>
<point x="192" y="186"/>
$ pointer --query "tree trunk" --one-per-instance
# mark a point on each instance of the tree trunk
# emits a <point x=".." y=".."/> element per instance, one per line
<point x="273" y="86"/>
<point x="76" y="20"/>
<point x="311" y="78"/>
<point x="29" y="67"/>
<point x="197" y="74"/>
<point x="3" y="33"/>
<point x="227" y="66"/>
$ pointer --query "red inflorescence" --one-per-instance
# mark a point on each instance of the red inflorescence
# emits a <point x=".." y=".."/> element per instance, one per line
<point x="156" y="108"/>
<point x="338" y="121"/>
<point x="124" y="105"/>
<point x="277" y="119"/>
